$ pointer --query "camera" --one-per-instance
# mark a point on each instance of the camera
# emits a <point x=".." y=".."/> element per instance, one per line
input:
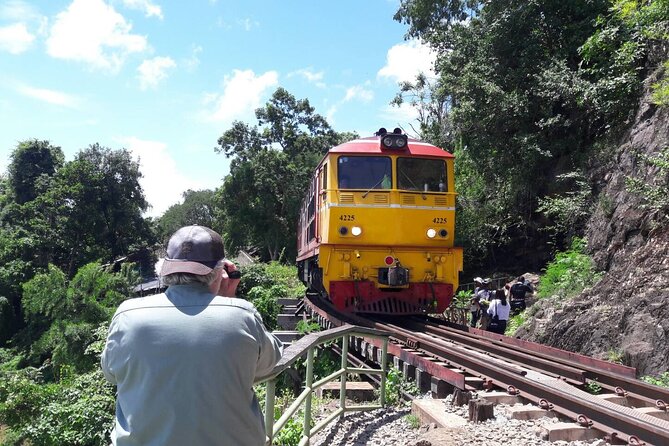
<point x="236" y="274"/>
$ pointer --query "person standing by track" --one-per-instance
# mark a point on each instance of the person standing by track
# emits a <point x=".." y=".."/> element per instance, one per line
<point x="518" y="292"/>
<point x="499" y="311"/>
<point x="184" y="362"/>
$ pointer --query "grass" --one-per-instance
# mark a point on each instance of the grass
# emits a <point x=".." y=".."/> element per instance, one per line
<point x="569" y="273"/>
<point x="413" y="420"/>
<point x="615" y="355"/>
<point x="514" y="323"/>
<point x="661" y="380"/>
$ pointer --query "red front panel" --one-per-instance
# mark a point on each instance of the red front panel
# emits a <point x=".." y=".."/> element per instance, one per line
<point x="363" y="297"/>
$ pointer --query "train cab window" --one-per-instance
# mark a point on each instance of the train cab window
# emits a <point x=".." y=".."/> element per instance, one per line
<point x="420" y="174"/>
<point x="364" y="172"/>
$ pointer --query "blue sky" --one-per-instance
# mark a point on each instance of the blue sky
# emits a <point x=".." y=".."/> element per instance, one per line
<point x="165" y="79"/>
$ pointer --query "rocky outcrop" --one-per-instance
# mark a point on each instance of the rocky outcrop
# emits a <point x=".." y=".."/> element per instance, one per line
<point x="625" y="314"/>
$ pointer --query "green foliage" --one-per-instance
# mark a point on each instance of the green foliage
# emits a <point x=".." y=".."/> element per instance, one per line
<point x="270" y="169"/>
<point x="413" y="420"/>
<point x="525" y="92"/>
<point x="660" y="380"/>
<point x="396" y="384"/>
<point x="615" y="355"/>
<point x="593" y="387"/>
<point x="198" y="208"/>
<point x="653" y="192"/>
<point x="569" y="273"/>
<point x="45" y="297"/>
<point x="79" y="410"/>
<point x="462" y="299"/>
<point x="326" y="363"/>
<point x="291" y="434"/>
<point x="7" y="318"/>
<point x="32" y="164"/>
<point x="309" y="326"/>
<point x="515" y="322"/>
<point x="265" y="301"/>
<point x="97" y="202"/>
<point x="661" y="88"/>
<point x="264" y="283"/>
<point x="569" y="210"/>
<point x="267" y="274"/>
<point x="63" y="317"/>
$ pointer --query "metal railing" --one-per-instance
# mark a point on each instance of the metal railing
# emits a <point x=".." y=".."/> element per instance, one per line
<point x="308" y="344"/>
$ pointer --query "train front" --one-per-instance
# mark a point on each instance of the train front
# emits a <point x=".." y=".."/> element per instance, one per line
<point x="387" y="227"/>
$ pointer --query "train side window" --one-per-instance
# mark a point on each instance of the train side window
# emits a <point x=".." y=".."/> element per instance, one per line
<point x="364" y="172"/>
<point x="421" y="174"/>
<point x="324" y="177"/>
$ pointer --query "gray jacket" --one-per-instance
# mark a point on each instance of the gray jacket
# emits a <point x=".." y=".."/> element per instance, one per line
<point x="184" y="363"/>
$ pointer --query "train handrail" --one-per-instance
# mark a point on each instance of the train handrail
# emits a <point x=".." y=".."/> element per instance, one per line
<point x="308" y="344"/>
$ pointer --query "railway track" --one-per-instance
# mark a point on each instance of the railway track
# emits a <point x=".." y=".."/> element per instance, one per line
<point x="449" y="356"/>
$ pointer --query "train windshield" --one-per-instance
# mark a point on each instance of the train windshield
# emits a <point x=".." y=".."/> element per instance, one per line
<point x="426" y="175"/>
<point x="364" y="172"/>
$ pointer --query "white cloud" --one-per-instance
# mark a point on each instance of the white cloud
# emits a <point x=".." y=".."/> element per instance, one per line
<point x="192" y="62"/>
<point x="358" y="92"/>
<point x="15" y="38"/>
<point x="311" y="76"/>
<point x="147" y="6"/>
<point x="406" y="60"/>
<point x="152" y="71"/>
<point x="242" y="94"/>
<point x="402" y="115"/>
<point x="330" y="114"/>
<point x="18" y="11"/>
<point x="248" y="24"/>
<point x="93" y="32"/>
<point x="162" y="180"/>
<point x="50" y="96"/>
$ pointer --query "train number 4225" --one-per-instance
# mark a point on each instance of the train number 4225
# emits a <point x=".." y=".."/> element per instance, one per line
<point x="347" y="217"/>
<point x="439" y="220"/>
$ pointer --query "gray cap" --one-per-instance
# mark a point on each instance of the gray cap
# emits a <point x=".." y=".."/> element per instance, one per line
<point x="194" y="250"/>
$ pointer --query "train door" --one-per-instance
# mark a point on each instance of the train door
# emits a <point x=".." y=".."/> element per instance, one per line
<point x="321" y="194"/>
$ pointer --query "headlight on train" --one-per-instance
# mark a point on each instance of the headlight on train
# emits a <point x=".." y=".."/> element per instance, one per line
<point x="343" y="230"/>
<point x="431" y="233"/>
<point x="443" y="233"/>
<point x="356" y="230"/>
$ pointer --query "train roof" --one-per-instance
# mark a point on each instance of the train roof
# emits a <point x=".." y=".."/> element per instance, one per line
<point x="372" y="145"/>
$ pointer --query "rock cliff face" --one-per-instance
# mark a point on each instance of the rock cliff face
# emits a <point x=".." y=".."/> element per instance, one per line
<point x="627" y="312"/>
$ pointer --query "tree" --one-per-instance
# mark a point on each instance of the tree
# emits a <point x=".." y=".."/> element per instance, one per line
<point x="521" y="107"/>
<point x="270" y="169"/>
<point x="97" y="204"/>
<point x="31" y="165"/>
<point x="198" y="208"/>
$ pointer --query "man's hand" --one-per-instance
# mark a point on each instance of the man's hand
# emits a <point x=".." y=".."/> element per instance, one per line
<point x="228" y="286"/>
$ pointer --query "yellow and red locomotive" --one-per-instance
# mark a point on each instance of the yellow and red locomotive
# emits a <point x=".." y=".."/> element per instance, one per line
<point x="376" y="228"/>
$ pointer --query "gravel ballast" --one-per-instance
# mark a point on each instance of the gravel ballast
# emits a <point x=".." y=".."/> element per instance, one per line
<point x="392" y="427"/>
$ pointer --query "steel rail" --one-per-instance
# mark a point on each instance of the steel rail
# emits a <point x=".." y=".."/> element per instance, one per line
<point x="605" y="373"/>
<point x="553" y="368"/>
<point x="607" y="417"/>
<point x="615" y="420"/>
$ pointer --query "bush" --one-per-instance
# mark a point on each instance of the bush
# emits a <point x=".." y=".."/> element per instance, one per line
<point x="306" y="327"/>
<point x="396" y="384"/>
<point x="661" y="380"/>
<point x="569" y="273"/>
<point x="265" y="301"/>
<point x="254" y="275"/>
<point x="514" y="323"/>
<point x="79" y="410"/>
